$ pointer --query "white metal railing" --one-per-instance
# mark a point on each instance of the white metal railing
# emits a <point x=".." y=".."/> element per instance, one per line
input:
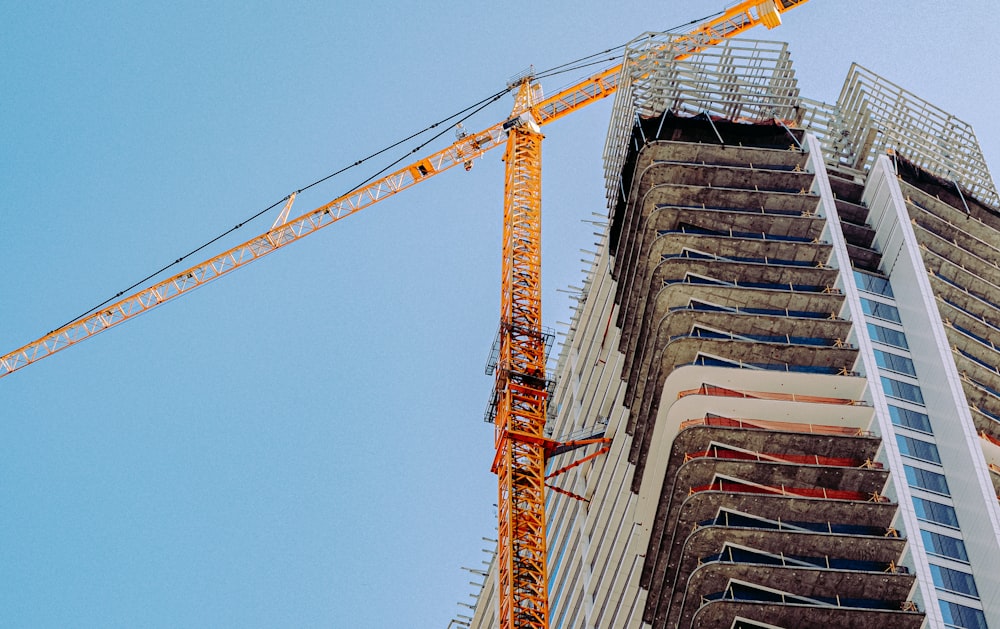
<point x="753" y="81"/>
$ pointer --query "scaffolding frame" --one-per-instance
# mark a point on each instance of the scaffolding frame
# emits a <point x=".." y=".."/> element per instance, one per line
<point x="753" y="81"/>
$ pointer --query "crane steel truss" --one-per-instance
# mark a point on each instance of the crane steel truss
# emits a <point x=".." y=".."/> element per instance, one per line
<point x="520" y="384"/>
<point x="466" y="149"/>
<point x="733" y="21"/>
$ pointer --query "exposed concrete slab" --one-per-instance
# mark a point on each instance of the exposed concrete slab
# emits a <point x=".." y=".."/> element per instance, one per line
<point x="944" y="201"/>
<point x="674" y="323"/>
<point x="849" y="191"/>
<point x="661" y="172"/>
<point x="969" y="346"/>
<point x="798" y="279"/>
<point x="976" y="371"/>
<point x="733" y="276"/>
<point x="864" y="258"/>
<point x="738" y="197"/>
<point x="858" y="236"/>
<point x="685" y="351"/>
<point x="711" y="578"/>
<point x="968" y="303"/>
<point x="703" y="506"/>
<point x="682" y="378"/>
<point x="698" y="153"/>
<point x="720" y="615"/>
<point x="664" y="553"/>
<point x="699" y="438"/>
<point x="692" y="153"/>
<point x="777" y="252"/>
<point x="678" y="295"/>
<point x="700" y="472"/>
<point x="990" y="426"/>
<point x="656" y="217"/>
<point x="730" y="199"/>
<point x="716" y="202"/>
<point x="956" y="316"/>
<point x="853" y="213"/>
<point x="894" y="589"/>
<point x="968" y="235"/>
<point x="967" y="259"/>
<point x="711" y="540"/>
<point x="978" y="398"/>
<point x="969" y="280"/>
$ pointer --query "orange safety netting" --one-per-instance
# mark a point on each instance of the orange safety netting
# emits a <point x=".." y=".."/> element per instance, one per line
<point x="988" y="437"/>
<point x="783" y="490"/>
<point x="708" y="389"/>
<point x="819" y="429"/>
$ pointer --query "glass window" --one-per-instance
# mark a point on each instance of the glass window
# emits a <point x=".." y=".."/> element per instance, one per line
<point x="956" y="615"/>
<point x="872" y="283"/>
<point x="902" y="390"/>
<point x="895" y="362"/>
<point x="918" y="449"/>
<point x="944" y="546"/>
<point x="954" y="581"/>
<point x="879" y="310"/>
<point x="926" y="479"/>
<point x="910" y="419"/>
<point x="887" y="336"/>
<point x="935" y="512"/>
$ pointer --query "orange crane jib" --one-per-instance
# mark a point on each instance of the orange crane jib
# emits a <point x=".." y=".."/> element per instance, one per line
<point x="520" y="386"/>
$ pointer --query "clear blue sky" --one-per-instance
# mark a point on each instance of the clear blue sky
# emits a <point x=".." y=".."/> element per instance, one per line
<point x="301" y="444"/>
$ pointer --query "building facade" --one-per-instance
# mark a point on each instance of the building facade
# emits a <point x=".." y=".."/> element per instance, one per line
<point x="789" y="338"/>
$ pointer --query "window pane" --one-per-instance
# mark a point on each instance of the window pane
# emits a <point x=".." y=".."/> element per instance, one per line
<point x="954" y="580"/>
<point x="872" y="283"/>
<point x="887" y="336"/>
<point x="926" y="479"/>
<point x="917" y="449"/>
<point x="902" y="390"/>
<point x="895" y="362"/>
<point x="880" y="310"/>
<point x="910" y="418"/>
<point x="936" y="512"/>
<point x="944" y="546"/>
<point x="961" y="616"/>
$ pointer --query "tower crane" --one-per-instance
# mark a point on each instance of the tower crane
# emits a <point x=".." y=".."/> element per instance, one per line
<point x="520" y="387"/>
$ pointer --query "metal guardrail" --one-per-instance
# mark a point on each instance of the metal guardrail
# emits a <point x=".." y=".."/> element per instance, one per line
<point x="754" y="81"/>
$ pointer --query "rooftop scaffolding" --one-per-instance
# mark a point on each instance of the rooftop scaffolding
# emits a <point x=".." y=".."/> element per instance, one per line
<point x="754" y="81"/>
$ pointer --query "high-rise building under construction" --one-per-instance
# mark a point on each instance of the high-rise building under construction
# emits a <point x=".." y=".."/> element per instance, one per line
<point x="788" y="335"/>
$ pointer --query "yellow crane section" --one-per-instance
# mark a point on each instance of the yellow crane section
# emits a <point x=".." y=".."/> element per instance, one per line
<point x="278" y="236"/>
<point x="520" y="388"/>
<point x="733" y="21"/>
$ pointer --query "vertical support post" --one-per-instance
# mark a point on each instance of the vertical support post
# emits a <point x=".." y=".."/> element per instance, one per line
<point x="520" y="388"/>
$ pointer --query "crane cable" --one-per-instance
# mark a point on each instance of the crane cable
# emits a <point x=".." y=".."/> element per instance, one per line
<point x="614" y="51"/>
<point x="477" y="107"/>
<point x="570" y="66"/>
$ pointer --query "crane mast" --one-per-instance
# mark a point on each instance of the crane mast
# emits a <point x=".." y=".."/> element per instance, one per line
<point x="520" y="386"/>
